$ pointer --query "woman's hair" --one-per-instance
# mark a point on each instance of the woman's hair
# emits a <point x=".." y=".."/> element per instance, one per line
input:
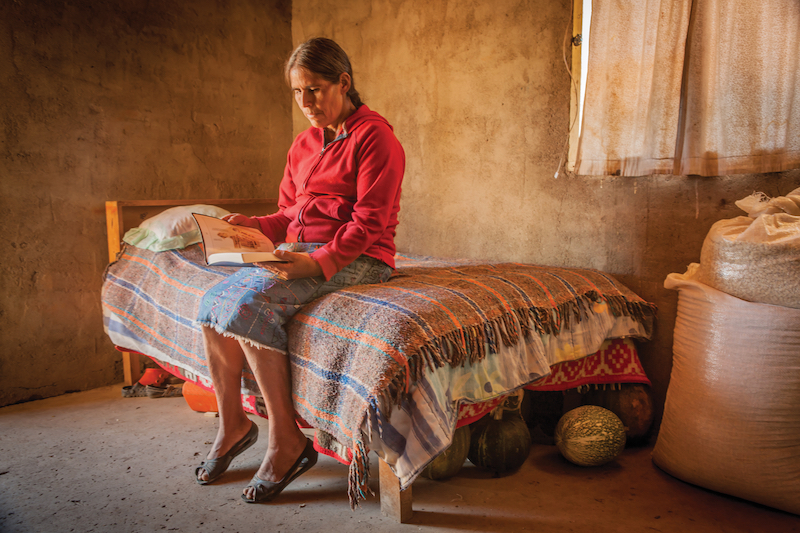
<point x="327" y="60"/>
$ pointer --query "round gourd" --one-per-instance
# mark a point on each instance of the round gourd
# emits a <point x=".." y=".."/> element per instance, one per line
<point x="632" y="403"/>
<point x="500" y="445"/>
<point x="449" y="462"/>
<point x="590" y="436"/>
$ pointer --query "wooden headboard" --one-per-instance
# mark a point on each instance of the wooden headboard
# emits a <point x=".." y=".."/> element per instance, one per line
<point x="122" y="215"/>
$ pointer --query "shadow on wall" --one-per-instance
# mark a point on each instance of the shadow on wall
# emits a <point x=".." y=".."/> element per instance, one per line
<point x="110" y="101"/>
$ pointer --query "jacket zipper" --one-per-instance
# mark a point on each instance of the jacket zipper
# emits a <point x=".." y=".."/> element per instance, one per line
<point x="305" y="183"/>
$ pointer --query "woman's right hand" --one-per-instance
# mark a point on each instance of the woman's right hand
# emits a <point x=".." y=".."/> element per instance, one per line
<point x="238" y="219"/>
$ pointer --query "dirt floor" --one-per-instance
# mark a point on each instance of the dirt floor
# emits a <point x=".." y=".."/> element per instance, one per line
<point x="93" y="461"/>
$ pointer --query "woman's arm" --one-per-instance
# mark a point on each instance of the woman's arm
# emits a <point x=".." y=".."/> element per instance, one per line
<point x="381" y="164"/>
<point x="298" y="265"/>
<point x="238" y="219"/>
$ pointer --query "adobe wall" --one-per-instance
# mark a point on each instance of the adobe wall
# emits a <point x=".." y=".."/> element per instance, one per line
<point x="478" y="94"/>
<point x="118" y="101"/>
<point x="145" y="100"/>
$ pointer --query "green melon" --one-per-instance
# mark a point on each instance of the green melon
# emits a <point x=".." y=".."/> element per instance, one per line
<point x="590" y="436"/>
<point x="500" y="445"/>
<point x="449" y="462"/>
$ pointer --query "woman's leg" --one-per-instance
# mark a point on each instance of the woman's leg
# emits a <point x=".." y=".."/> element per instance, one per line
<point x="286" y="442"/>
<point x="225" y="363"/>
<point x="278" y="300"/>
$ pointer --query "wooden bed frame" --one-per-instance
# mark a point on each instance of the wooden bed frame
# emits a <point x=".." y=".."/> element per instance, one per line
<point x="122" y="215"/>
<point x="126" y="214"/>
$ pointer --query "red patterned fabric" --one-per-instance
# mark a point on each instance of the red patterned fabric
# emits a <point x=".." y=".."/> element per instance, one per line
<point x="617" y="361"/>
<point x="472" y="412"/>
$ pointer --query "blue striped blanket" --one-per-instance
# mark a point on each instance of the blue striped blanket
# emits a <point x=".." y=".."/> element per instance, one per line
<point x="357" y="352"/>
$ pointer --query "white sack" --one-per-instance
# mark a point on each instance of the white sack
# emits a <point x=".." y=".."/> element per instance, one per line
<point x="759" y="203"/>
<point x="732" y="418"/>
<point x="757" y="257"/>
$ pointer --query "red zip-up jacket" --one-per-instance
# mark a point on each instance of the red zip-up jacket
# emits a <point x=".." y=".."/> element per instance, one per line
<point x="346" y="194"/>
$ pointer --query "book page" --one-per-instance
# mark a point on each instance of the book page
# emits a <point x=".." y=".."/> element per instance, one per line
<point x="221" y="237"/>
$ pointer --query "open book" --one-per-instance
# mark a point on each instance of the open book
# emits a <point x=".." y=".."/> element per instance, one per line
<point x="227" y="244"/>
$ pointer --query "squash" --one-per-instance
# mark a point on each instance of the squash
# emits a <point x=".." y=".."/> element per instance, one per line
<point x="501" y="441"/>
<point x="590" y="436"/>
<point x="632" y="403"/>
<point x="448" y="463"/>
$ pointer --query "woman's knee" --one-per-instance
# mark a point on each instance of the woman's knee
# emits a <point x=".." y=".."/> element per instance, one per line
<point x="210" y="335"/>
<point x="216" y="343"/>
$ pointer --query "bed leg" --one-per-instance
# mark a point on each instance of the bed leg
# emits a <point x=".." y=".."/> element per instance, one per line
<point x="130" y="367"/>
<point x="394" y="502"/>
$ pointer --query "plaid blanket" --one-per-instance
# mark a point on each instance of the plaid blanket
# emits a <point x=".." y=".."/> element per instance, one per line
<point x="358" y="344"/>
<point x="360" y="348"/>
<point x="150" y="302"/>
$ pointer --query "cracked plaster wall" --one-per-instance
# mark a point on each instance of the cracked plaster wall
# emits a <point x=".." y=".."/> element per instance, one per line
<point x="118" y="101"/>
<point x="478" y="94"/>
<point x="135" y="100"/>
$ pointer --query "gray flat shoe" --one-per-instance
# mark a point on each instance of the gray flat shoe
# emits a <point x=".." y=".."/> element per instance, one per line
<point x="217" y="467"/>
<point x="267" y="490"/>
<point x="137" y="390"/>
<point x="167" y="391"/>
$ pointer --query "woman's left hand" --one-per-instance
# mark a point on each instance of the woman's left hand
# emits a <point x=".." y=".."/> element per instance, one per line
<point x="298" y="265"/>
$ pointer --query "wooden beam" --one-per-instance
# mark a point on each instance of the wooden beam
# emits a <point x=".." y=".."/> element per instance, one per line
<point x="131" y="368"/>
<point x="113" y="229"/>
<point x="130" y="362"/>
<point x="575" y="84"/>
<point x="394" y="502"/>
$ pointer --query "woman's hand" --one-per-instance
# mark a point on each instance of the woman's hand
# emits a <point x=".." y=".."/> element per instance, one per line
<point x="298" y="265"/>
<point x="238" y="219"/>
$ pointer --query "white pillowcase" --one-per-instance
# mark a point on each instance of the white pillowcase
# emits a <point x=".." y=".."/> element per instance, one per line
<point x="171" y="229"/>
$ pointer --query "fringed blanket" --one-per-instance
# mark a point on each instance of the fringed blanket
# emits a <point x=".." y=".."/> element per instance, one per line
<point x="360" y="343"/>
<point x="352" y="348"/>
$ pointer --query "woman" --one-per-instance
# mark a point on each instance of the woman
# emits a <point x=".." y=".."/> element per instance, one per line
<point x="338" y="207"/>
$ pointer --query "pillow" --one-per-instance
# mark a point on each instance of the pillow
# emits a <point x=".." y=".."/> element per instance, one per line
<point x="171" y="229"/>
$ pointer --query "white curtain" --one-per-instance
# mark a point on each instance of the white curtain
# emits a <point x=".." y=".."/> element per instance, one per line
<point x="707" y="87"/>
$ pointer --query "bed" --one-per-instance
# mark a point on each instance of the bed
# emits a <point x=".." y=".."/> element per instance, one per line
<point x="394" y="368"/>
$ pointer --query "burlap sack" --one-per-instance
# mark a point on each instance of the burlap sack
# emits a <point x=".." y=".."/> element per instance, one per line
<point x="732" y="418"/>
<point x="757" y="257"/>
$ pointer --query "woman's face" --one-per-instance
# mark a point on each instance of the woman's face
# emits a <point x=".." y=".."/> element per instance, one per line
<point x="325" y="104"/>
